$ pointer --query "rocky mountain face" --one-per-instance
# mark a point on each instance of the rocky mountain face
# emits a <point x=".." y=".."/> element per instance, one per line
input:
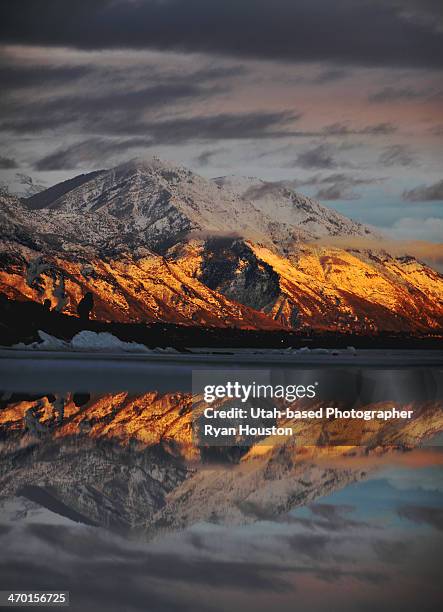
<point x="130" y="461"/>
<point x="153" y="241"/>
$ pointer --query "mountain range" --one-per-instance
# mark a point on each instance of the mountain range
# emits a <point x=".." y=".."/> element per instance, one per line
<point x="130" y="461"/>
<point x="155" y="242"/>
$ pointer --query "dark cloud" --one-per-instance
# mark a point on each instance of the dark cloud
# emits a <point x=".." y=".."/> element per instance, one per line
<point x="398" y="155"/>
<point x="339" y="186"/>
<point x="328" y="517"/>
<point x="311" y="545"/>
<point x="394" y="94"/>
<point x="112" y="589"/>
<point x="142" y="102"/>
<point x="90" y="560"/>
<point x="334" y="517"/>
<point x="333" y="74"/>
<point x="328" y="75"/>
<point x="330" y="512"/>
<point x="99" y="108"/>
<point x="425" y="193"/>
<point x="108" y="100"/>
<point x="391" y="551"/>
<point x="338" y="177"/>
<point x="283" y="29"/>
<point x="379" y="129"/>
<point x="139" y="102"/>
<point x="16" y="76"/>
<point x="152" y="96"/>
<point x="226" y="126"/>
<point x="7" y="163"/>
<point x="106" y="572"/>
<point x="89" y="151"/>
<point x="172" y="131"/>
<point x="320" y="156"/>
<point x="343" y="129"/>
<point x="336" y="191"/>
<point x="197" y="541"/>
<point x="5" y="529"/>
<point x="223" y="569"/>
<point x="206" y="156"/>
<point x="30" y="186"/>
<point x="423" y="515"/>
<point x="339" y="129"/>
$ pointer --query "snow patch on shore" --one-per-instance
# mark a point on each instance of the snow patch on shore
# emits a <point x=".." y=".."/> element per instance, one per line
<point x="101" y="342"/>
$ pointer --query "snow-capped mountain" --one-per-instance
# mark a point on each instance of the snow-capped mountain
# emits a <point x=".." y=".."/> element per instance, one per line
<point x="162" y="202"/>
<point x="154" y="241"/>
<point x="289" y="208"/>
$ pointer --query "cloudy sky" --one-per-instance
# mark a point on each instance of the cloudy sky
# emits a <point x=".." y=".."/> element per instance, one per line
<point x="343" y="98"/>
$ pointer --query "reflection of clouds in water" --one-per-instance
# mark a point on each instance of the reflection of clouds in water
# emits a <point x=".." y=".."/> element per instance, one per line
<point x="324" y="557"/>
<point x="427" y="480"/>
<point x="423" y="515"/>
<point x="105" y="572"/>
<point x="391" y="551"/>
<point x="213" y="568"/>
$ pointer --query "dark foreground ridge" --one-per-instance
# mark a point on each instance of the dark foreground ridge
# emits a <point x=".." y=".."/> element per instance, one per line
<point x="20" y="322"/>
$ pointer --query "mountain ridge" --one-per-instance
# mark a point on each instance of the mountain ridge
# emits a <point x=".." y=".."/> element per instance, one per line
<point x="160" y="194"/>
<point x="154" y="241"/>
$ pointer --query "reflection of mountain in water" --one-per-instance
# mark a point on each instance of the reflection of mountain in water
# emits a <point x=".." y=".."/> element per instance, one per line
<point x="130" y="462"/>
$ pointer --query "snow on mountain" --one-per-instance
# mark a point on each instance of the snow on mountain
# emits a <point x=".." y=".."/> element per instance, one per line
<point x="162" y="202"/>
<point x="154" y="241"/>
<point x="288" y="207"/>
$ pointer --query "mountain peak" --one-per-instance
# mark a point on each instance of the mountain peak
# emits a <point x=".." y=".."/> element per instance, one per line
<point x="146" y="164"/>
